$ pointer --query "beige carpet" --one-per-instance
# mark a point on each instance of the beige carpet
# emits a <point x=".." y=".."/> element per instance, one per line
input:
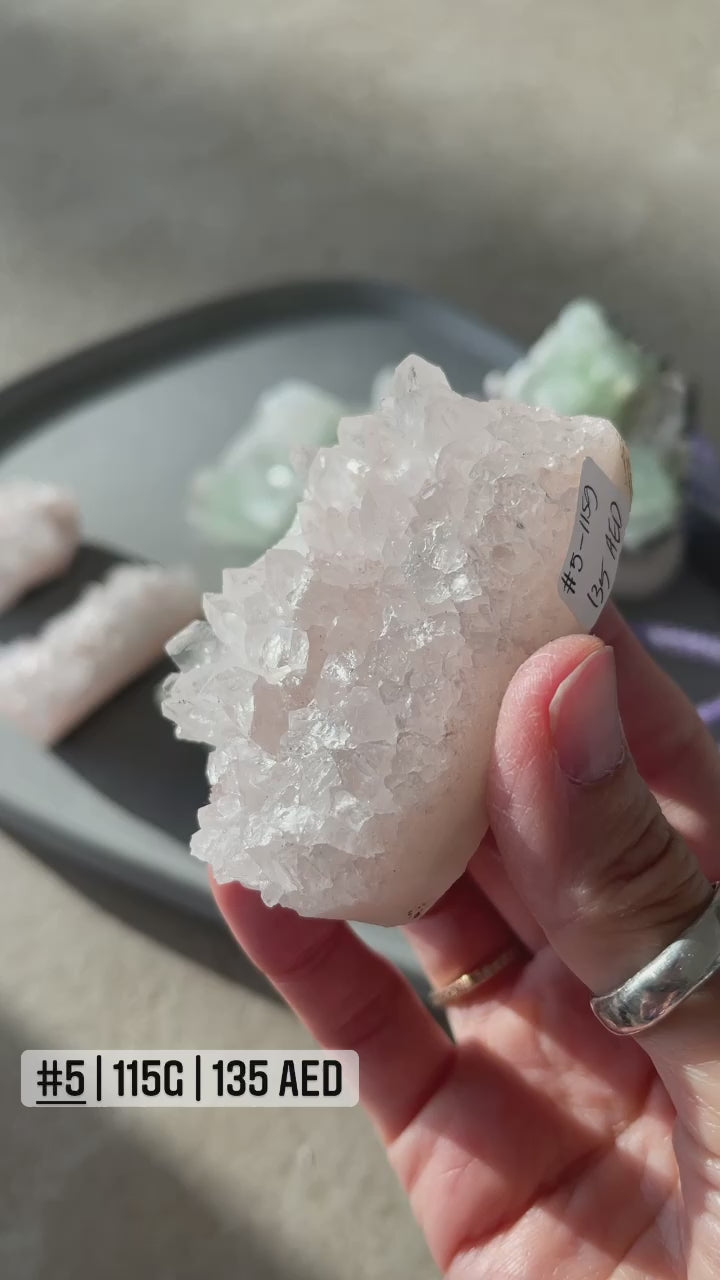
<point x="506" y="153"/>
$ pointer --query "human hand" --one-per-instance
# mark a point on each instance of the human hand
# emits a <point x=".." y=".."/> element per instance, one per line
<point x="539" y="1144"/>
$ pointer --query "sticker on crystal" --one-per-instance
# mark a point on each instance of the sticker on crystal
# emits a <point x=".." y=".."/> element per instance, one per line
<point x="601" y="518"/>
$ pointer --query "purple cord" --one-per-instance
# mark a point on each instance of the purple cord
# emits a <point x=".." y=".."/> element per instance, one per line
<point x="685" y="643"/>
<point x="703" y="646"/>
<point x="681" y="641"/>
<point x="710" y="711"/>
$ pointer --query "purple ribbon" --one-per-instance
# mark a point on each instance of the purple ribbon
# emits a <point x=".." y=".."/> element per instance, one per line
<point x="682" y="642"/>
<point x="710" y="711"/>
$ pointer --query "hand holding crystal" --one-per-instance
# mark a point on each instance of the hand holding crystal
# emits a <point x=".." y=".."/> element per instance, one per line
<point x="537" y="1142"/>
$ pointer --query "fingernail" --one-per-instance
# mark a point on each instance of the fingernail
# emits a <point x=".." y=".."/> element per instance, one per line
<point x="585" y="721"/>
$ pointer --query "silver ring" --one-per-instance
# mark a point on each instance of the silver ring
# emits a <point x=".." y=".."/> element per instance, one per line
<point x="663" y="984"/>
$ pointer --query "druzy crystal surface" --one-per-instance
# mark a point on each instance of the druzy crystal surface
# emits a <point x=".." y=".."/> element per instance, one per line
<point x="349" y="681"/>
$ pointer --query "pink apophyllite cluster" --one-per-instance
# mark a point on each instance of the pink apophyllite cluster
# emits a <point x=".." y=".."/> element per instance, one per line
<point x="349" y="681"/>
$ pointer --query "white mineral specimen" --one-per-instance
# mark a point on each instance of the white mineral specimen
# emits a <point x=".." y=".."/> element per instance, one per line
<point x="118" y="628"/>
<point x="349" y="681"/>
<point x="39" y="535"/>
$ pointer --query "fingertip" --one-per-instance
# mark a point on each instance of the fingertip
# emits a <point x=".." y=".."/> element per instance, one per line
<point x="525" y="710"/>
<point x="585" y="722"/>
<point x="233" y="901"/>
<point x="229" y="893"/>
<point x="522" y="776"/>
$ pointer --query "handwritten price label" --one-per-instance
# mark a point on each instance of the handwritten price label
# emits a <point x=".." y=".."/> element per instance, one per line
<point x="591" y="563"/>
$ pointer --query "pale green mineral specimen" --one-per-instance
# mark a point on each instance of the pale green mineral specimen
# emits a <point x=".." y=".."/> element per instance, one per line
<point x="657" y="504"/>
<point x="248" y="497"/>
<point x="581" y="365"/>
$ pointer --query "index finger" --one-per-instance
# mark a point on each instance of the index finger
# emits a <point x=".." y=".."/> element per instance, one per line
<point x="349" y="998"/>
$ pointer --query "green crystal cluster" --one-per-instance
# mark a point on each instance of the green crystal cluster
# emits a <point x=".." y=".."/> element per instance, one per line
<point x="248" y="497"/>
<point x="581" y="365"/>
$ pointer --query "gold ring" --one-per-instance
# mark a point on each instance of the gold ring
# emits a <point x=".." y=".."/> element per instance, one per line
<point x="469" y="982"/>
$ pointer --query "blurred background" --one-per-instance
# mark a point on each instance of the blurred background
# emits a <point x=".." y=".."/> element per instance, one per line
<point x="505" y="155"/>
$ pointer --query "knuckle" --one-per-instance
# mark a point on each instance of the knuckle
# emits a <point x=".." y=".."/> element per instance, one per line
<point x="305" y="962"/>
<point x="374" y="1014"/>
<point x="642" y="872"/>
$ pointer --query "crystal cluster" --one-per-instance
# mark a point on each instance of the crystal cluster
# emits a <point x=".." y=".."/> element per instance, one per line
<point x="39" y="535"/>
<point x="580" y="364"/>
<point x="349" y="681"/>
<point x="117" y="628"/>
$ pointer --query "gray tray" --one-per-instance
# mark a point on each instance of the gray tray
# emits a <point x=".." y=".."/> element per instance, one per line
<point x="124" y="425"/>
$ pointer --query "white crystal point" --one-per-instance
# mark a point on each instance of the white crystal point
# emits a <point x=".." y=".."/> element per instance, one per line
<point x="350" y="680"/>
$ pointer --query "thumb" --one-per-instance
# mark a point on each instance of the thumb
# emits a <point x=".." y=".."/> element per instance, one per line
<point x="581" y="835"/>
<point x="611" y="883"/>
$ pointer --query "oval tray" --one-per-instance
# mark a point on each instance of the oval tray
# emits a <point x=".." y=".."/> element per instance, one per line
<point x="123" y="425"/>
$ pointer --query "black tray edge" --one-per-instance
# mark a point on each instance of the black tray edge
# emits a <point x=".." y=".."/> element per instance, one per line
<point x="26" y="401"/>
